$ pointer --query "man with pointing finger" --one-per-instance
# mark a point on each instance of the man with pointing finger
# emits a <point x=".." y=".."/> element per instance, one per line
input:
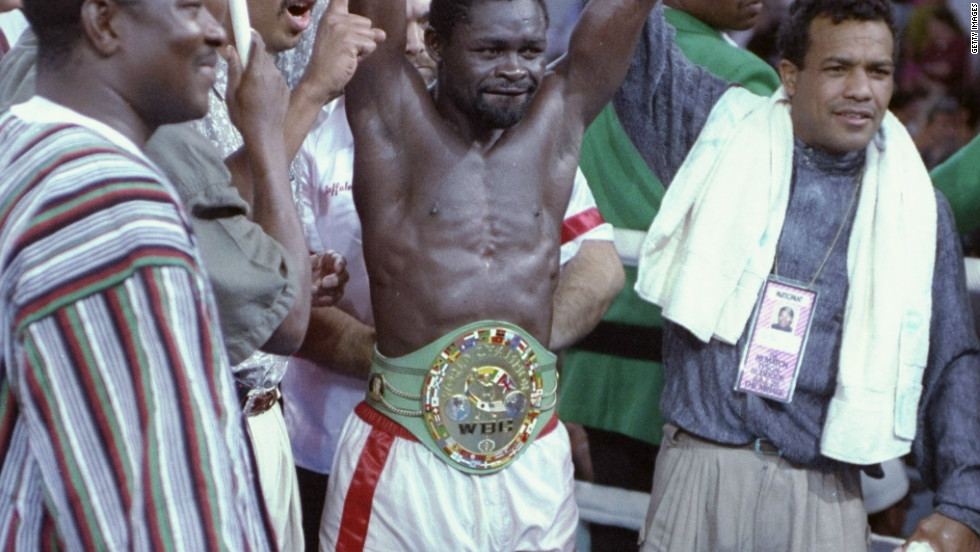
<point x="262" y="180"/>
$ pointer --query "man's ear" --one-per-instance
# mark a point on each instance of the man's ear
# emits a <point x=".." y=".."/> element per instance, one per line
<point x="788" y="72"/>
<point x="100" y="24"/>
<point x="433" y="45"/>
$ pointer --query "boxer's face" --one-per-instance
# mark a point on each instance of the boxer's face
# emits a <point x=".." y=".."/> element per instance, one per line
<point x="492" y="65"/>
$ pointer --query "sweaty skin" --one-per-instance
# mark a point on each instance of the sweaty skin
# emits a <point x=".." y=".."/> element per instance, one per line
<point x="462" y="198"/>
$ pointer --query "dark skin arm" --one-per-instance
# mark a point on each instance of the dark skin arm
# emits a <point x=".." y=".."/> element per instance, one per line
<point x="587" y="286"/>
<point x="944" y="534"/>
<point x="599" y="54"/>
<point x="256" y="103"/>
<point x="340" y="341"/>
<point x="366" y="97"/>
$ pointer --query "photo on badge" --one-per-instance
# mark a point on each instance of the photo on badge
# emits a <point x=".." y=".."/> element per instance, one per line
<point x="777" y="340"/>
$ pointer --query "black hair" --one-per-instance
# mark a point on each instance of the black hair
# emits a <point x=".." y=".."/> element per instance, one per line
<point x="444" y="15"/>
<point x="794" y="33"/>
<point x="58" y="26"/>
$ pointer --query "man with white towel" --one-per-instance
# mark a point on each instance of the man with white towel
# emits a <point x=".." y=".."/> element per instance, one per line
<point x="813" y="199"/>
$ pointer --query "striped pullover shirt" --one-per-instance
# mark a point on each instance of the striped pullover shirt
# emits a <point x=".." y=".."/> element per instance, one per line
<point x="118" y="421"/>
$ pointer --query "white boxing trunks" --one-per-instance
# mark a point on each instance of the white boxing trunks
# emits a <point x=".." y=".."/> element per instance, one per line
<point x="389" y="492"/>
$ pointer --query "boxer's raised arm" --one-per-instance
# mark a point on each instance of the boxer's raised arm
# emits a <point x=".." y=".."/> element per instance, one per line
<point x="377" y="92"/>
<point x="599" y="53"/>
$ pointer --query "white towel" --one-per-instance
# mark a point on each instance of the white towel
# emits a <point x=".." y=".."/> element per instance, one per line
<point x="712" y="245"/>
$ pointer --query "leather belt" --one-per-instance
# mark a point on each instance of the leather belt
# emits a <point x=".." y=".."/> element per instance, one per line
<point x="257" y="401"/>
<point x="759" y="446"/>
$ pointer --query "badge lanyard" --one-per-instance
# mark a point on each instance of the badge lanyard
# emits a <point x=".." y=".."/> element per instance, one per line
<point x="780" y="328"/>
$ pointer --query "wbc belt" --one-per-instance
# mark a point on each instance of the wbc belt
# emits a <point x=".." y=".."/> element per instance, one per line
<point x="476" y="397"/>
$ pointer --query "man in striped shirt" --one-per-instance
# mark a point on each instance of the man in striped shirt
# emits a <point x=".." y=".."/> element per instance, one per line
<point x="119" y="428"/>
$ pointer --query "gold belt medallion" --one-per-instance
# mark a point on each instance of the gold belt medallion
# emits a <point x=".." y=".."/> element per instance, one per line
<point x="482" y="397"/>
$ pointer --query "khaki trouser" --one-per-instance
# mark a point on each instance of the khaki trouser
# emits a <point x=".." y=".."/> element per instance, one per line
<point x="712" y="498"/>
<point x="277" y="476"/>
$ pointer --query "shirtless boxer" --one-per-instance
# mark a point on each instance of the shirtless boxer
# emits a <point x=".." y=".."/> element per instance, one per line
<point x="461" y="201"/>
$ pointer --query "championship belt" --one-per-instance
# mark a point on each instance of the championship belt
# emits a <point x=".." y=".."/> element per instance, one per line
<point x="488" y="390"/>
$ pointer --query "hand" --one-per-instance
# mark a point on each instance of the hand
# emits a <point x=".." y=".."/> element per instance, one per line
<point x="581" y="456"/>
<point x="258" y="96"/>
<point x="944" y="535"/>
<point x="329" y="277"/>
<point x="342" y="40"/>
